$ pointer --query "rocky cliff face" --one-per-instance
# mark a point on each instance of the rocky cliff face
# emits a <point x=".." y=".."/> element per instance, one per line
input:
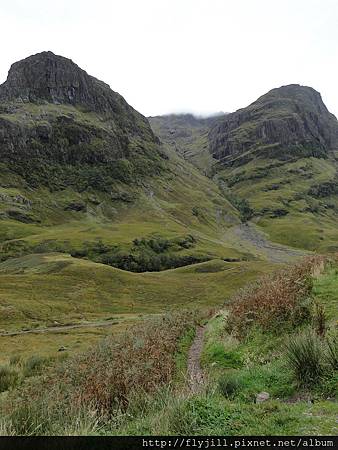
<point x="57" y="121"/>
<point x="46" y="77"/>
<point x="285" y="122"/>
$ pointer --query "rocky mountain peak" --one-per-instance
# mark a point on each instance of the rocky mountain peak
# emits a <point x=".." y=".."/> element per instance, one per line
<point x="94" y="139"/>
<point x="46" y="77"/>
<point x="288" y="121"/>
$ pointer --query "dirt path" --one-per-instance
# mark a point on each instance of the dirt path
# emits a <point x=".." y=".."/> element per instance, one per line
<point x="106" y="323"/>
<point x="194" y="371"/>
<point x="247" y="237"/>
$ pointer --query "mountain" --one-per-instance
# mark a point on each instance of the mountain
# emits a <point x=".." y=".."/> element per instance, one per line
<point x="279" y="156"/>
<point x="288" y="122"/>
<point x="275" y="161"/>
<point x="61" y="127"/>
<point x="188" y="135"/>
<point x="83" y="173"/>
<point x="92" y="199"/>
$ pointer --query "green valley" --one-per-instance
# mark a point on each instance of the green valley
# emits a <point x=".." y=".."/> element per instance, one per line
<point x="159" y="275"/>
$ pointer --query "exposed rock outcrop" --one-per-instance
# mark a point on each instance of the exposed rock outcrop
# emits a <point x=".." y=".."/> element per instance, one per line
<point x="285" y="122"/>
<point x="46" y="77"/>
<point x="57" y="123"/>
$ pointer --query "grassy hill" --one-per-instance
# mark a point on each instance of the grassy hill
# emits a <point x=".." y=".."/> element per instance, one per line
<point x="292" y="360"/>
<point x="44" y="290"/>
<point x="289" y="200"/>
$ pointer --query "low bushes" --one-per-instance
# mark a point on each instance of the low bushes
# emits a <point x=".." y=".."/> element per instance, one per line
<point x="144" y="255"/>
<point x="279" y="300"/>
<point x="104" y="380"/>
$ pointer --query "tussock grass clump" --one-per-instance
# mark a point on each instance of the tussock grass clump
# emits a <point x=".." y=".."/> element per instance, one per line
<point x="320" y="320"/>
<point x="332" y="352"/>
<point x="33" y="365"/>
<point x="15" y="360"/>
<point x="105" y="379"/>
<point x="305" y="357"/>
<point x="280" y="299"/>
<point x="8" y="378"/>
<point x="229" y="384"/>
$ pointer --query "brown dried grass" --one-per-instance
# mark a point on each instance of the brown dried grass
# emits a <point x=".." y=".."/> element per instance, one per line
<point x="277" y="300"/>
<point x="105" y="378"/>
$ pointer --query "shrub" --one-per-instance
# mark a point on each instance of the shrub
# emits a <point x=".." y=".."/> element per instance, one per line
<point x="8" y="378"/>
<point x="228" y="385"/>
<point x="280" y="299"/>
<point x="106" y="378"/>
<point x="304" y="354"/>
<point x="145" y="255"/>
<point x="246" y="212"/>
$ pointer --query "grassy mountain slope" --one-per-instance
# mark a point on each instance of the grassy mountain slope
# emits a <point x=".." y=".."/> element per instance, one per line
<point x="293" y="201"/>
<point x="279" y="154"/>
<point x="188" y="135"/>
<point x="275" y="161"/>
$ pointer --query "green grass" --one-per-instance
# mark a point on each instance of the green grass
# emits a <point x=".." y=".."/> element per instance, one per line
<point x="211" y="414"/>
<point x="325" y="290"/>
<point x="270" y="186"/>
<point x="181" y="357"/>
<point x="254" y="364"/>
<point x="261" y="364"/>
<point x="39" y="290"/>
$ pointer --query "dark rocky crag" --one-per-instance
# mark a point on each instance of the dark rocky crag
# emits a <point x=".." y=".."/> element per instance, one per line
<point x="57" y="123"/>
<point x="291" y="121"/>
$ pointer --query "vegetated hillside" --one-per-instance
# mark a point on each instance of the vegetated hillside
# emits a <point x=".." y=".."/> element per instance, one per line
<point x="76" y="158"/>
<point x="275" y="160"/>
<point x="188" y="135"/>
<point x="279" y="154"/>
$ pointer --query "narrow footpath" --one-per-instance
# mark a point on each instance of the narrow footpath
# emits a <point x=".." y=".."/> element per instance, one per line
<point x="195" y="373"/>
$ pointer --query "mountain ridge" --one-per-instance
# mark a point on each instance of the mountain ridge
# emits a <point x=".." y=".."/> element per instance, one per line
<point x="285" y="122"/>
<point x="54" y="116"/>
<point x="284" y="180"/>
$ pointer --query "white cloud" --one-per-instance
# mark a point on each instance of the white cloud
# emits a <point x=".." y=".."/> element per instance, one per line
<point x="183" y="55"/>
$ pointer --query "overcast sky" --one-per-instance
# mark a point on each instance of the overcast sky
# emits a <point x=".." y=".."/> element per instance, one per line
<point x="183" y="55"/>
